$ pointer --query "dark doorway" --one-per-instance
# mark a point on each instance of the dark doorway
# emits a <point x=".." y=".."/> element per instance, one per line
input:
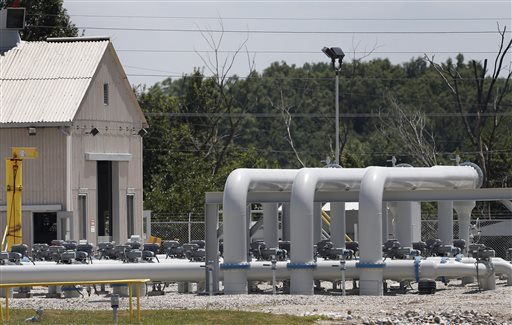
<point x="45" y="227"/>
<point x="104" y="198"/>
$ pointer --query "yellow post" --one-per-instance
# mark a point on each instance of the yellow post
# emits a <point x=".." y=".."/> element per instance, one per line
<point x="138" y="300"/>
<point x="1" y="311"/>
<point x="7" y="303"/>
<point x="130" y="299"/>
<point x="14" y="187"/>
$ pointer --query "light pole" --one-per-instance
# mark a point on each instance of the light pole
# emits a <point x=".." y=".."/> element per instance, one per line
<point x="336" y="54"/>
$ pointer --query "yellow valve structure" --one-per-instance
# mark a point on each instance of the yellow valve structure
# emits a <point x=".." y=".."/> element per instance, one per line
<point x="14" y="187"/>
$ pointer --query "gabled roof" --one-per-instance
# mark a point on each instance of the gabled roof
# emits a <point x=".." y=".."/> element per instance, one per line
<point x="43" y="83"/>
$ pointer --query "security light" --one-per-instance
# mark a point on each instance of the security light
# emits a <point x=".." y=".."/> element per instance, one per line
<point x="334" y="53"/>
<point x="142" y="132"/>
<point x="94" y="131"/>
<point x="32" y="131"/>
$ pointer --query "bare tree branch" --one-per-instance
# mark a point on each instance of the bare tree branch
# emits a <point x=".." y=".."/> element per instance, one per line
<point x="409" y="128"/>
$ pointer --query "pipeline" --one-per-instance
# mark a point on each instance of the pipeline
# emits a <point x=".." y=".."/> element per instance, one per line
<point x="398" y="270"/>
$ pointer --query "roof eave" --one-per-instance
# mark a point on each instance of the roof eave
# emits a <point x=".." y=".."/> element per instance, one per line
<point x="14" y="125"/>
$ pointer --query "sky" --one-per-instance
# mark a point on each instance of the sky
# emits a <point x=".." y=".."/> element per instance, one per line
<point x="156" y="39"/>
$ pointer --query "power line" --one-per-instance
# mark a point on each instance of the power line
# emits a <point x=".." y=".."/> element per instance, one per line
<point x="257" y="31"/>
<point x="291" y="18"/>
<point x="376" y="154"/>
<point x="300" y="51"/>
<point x="290" y="1"/>
<point x="317" y="115"/>
<point x="357" y="78"/>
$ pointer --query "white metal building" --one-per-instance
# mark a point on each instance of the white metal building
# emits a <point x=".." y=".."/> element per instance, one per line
<point x="71" y="99"/>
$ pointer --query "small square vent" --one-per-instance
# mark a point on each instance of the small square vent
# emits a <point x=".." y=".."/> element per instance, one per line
<point x="15" y="18"/>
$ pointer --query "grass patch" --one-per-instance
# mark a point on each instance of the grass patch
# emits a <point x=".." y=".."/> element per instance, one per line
<point x="166" y="316"/>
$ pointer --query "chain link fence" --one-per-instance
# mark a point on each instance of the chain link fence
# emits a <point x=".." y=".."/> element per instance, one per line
<point x="499" y="243"/>
<point x="183" y="228"/>
<point x="192" y="227"/>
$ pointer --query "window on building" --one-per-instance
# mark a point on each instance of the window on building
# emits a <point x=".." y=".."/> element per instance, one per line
<point x="105" y="94"/>
<point x="130" y="216"/>
<point x="82" y="215"/>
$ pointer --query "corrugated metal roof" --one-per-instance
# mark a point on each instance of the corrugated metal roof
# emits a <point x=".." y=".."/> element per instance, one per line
<point x="44" y="82"/>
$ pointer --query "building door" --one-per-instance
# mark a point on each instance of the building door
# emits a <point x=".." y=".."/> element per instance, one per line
<point x="45" y="227"/>
<point x="105" y="211"/>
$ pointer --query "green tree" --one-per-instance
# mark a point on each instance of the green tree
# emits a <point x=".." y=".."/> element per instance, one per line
<point x="44" y="18"/>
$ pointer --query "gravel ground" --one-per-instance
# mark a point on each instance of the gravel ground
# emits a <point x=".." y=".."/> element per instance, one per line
<point x="451" y="304"/>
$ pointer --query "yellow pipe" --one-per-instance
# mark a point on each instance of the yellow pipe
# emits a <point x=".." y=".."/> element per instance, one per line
<point x="14" y="187"/>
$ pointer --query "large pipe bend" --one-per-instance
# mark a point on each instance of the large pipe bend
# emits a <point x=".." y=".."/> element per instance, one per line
<point x="237" y="185"/>
<point x="375" y="180"/>
<point x="305" y="185"/>
<point x="239" y="182"/>
<point x="302" y="199"/>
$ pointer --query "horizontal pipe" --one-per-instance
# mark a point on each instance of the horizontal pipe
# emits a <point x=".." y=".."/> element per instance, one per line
<point x="83" y="272"/>
<point x="398" y="270"/>
<point x="480" y="194"/>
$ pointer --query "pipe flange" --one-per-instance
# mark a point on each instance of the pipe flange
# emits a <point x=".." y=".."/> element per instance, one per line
<point x="235" y="266"/>
<point x="370" y="265"/>
<point x="478" y="171"/>
<point x="301" y="266"/>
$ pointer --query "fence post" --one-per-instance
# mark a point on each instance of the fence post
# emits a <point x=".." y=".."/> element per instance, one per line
<point x="189" y="227"/>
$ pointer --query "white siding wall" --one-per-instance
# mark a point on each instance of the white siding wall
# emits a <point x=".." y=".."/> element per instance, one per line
<point x="44" y="178"/>
<point x="118" y="124"/>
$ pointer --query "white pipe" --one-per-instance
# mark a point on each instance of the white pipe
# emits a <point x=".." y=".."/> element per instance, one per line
<point x="385" y="222"/>
<point x="92" y="272"/>
<point x="398" y="270"/>
<point x="238" y="183"/>
<point x="306" y="183"/>
<point x="408" y="227"/>
<point x="507" y="204"/>
<point x="370" y="209"/>
<point x="445" y="221"/>
<point x="501" y="266"/>
<point x="285" y="221"/>
<point x="317" y="222"/>
<point x="463" y="209"/>
<point x="270" y="225"/>
<point x="338" y="226"/>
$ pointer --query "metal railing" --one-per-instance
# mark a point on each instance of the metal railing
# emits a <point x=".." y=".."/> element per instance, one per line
<point x="128" y="282"/>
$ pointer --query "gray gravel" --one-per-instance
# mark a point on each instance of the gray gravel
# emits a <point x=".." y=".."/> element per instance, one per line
<point x="452" y="304"/>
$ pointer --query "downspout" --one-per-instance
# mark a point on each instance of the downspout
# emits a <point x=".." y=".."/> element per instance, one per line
<point x="239" y="182"/>
<point x="370" y="210"/>
<point x="305" y="185"/>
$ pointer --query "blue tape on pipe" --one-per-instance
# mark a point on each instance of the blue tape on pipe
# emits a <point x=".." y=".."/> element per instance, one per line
<point x="235" y="266"/>
<point x="301" y="266"/>
<point x="370" y="265"/>
<point x="417" y="262"/>
<point x="444" y="259"/>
